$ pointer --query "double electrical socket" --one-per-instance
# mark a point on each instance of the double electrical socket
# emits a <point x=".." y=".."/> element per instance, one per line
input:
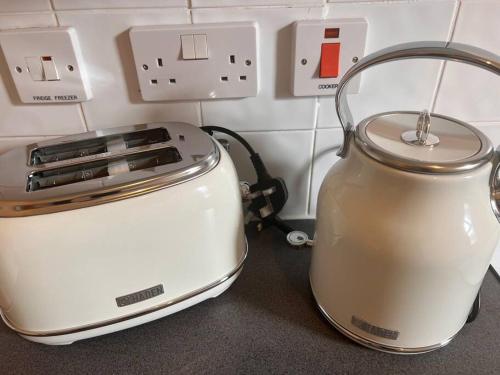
<point x="200" y="61"/>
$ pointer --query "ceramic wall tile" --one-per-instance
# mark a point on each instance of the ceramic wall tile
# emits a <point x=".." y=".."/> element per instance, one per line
<point x="10" y="6"/>
<point x="108" y="57"/>
<point x="109" y="4"/>
<point x="279" y="126"/>
<point x="326" y="145"/>
<point x="8" y="143"/>
<point x="248" y="3"/>
<point x="466" y="92"/>
<point x="273" y="108"/>
<point x="17" y="118"/>
<point x="406" y="85"/>
<point x="366" y="1"/>
<point x="286" y="154"/>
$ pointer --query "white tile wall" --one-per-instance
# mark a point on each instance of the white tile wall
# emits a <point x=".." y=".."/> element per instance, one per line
<point x="326" y="145"/>
<point x="103" y="36"/>
<point x="296" y="136"/>
<point x="466" y="92"/>
<point x="11" y="6"/>
<point x="407" y="85"/>
<point x="109" y="4"/>
<point x="286" y="154"/>
<point x="247" y="3"/>
<point x="6" y="143"/>
<point x="18" y="119"/>
<point x="273" y="108"/>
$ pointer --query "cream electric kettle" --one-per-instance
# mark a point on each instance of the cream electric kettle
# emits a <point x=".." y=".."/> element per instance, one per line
<point x="407" y="219"/>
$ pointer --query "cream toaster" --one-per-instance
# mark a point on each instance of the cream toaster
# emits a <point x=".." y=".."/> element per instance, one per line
<point x="110" y="229"/>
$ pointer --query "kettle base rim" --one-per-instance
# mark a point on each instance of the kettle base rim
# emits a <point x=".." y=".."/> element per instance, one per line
<point x="378" y="346"/>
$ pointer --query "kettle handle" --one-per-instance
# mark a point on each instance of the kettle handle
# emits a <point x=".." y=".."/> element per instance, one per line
<point x="428" y="50"/>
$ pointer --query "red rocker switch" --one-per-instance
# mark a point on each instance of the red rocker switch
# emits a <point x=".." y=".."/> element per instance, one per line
<point x="330" y="56"/>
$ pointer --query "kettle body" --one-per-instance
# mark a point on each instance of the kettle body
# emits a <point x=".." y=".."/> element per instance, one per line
<point x="399" y="257"/>
<point x="407" y="219"/>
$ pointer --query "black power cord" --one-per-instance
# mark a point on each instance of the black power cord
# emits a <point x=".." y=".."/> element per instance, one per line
<point x="269" y="194"/>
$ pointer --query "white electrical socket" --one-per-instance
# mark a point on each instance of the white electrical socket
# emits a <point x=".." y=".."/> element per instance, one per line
<point x="350" y="36"/>
<point x="46" y="64"/>
<point x="174" y="63"/>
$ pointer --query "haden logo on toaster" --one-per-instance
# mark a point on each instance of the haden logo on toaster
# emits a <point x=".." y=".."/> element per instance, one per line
<point x="139" y="296"/>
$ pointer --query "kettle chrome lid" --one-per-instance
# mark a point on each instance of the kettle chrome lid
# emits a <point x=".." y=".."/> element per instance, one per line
<point x="418" y="142"/>
<point x="423" y="142"/>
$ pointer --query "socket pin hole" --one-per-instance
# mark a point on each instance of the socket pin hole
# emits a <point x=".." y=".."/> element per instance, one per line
<point x="159" y="61"/>
<point x="181" y="138"/>
<point x="248" y="62"/>
<point x="18" y="69"/>
<point x="145" y="67"/>
<point x="172" y="81"/>
<point x="154" y="81"/>
<point x="243" y="78"/>
<point x="232" y="59"/>
<point x="224" y="78"/>
<point x="70" y="68"/>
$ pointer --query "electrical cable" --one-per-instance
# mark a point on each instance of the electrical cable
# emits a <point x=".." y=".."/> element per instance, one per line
<point x="211" y="129"/>
<point x="268" y="195"/>
<point x="258" y="164"/>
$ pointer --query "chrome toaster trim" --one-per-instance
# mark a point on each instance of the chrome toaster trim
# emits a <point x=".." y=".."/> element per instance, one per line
<point x="198" y="155"/>
<point x="150" y="310"/>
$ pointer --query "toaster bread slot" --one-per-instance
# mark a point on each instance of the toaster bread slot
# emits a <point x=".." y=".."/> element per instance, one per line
<point x="152" y="159"/>
<point x="68" y="175"/>
<point x="51" y="178"/>
<point x="66" y="151"/>
<point x="146" y="137"/>
<point x="99" y="145"/>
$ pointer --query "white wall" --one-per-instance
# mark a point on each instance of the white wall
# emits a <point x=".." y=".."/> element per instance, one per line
<point x="296" y="136"/>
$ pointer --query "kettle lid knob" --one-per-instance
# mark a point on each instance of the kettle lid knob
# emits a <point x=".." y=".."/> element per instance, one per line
<point x="422" y="136"/>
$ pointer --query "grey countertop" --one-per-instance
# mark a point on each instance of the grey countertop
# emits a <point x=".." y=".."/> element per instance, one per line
<point x="265" y="323"/>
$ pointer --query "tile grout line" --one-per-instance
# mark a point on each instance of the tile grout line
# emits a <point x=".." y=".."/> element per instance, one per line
<point x="32" y="136"/>
<point x="79" y="105"/>
<point x="313" y="151"/>
<point x="444" y="63"/>
<point x="84" y="118"/>
<point x="202" y="122"/>
<point x="190" y="10"/>
<point x="280" y="130"/>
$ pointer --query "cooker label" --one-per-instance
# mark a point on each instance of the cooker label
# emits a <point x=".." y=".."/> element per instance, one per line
<point x="374" y="330"/>
<point x="139" y="296"/>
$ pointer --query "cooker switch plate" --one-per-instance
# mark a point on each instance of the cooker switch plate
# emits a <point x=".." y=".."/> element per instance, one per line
<point x="323" y="51"/>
